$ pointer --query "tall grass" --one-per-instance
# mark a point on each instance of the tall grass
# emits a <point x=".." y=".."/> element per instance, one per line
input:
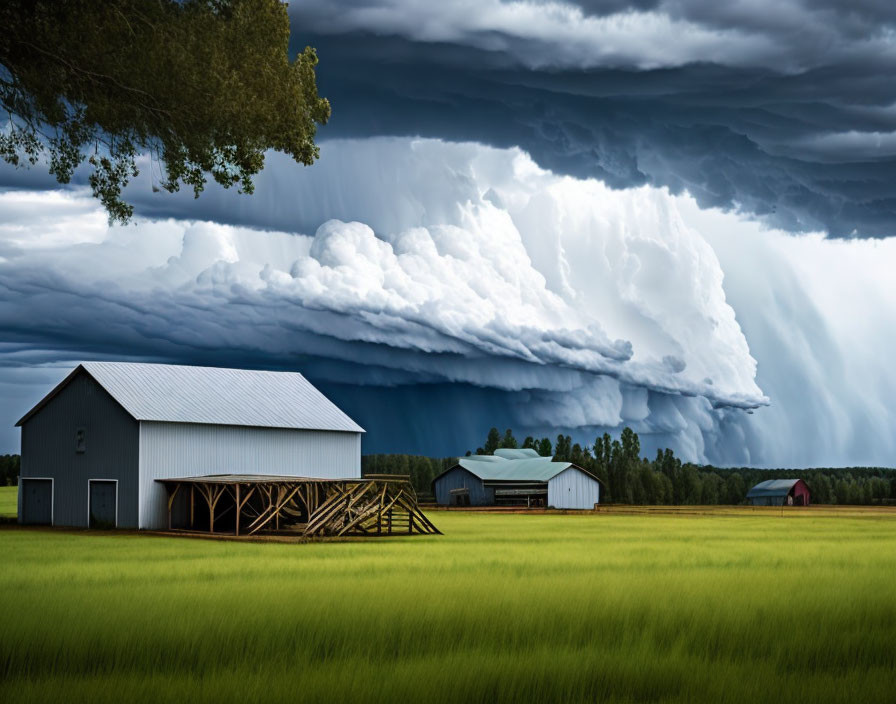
<point x="9" y="497"/>
<point x="503" y="608"/>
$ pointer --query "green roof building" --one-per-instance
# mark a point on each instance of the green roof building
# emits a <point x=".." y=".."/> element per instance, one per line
<point x="517" y="477"/>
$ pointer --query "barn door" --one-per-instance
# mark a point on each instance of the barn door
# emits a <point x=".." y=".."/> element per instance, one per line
<point x="37" y="501"/>
<point x="103" y="503"/>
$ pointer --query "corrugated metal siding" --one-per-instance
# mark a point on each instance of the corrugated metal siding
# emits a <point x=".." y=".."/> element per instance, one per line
<point x="189" y="450"/>
<point x="573" y="488"/>
<point x="211" y="395"/>
<point x="48" y="450"/>
<point x="460" y="478"/>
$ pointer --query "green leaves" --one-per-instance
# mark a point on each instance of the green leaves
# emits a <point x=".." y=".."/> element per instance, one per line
<point x="204" y="86"/>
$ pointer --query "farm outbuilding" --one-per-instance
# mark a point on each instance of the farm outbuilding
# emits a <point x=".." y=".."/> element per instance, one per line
<point x="516" y="477"/>
<point x="779" y="492"/>
<point x="103" y="447"/>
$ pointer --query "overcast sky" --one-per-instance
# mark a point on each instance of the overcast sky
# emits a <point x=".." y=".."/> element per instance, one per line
<point x="556" y="216"/>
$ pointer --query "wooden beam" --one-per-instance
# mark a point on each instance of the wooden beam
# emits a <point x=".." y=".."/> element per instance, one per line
<point x="332" y="506"/>
<point x="213" y="496"/>
<point x="379" y="514"/>
<point x="247" y="496"/>
<point x="329" y="507"/>
<point x="285" y="493"/>
<point x="277" y="510"/>
<point x="171" y="496"/>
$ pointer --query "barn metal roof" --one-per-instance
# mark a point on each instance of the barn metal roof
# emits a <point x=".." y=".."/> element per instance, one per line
<point x="522" y="453"/>
<point x="530" y="469"/>
<point x="211" y="395"/>
<point x="773" y="487"/>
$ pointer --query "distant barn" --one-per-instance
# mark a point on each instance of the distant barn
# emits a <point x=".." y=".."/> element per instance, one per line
<point x="98" y="449"/>
<point x="779" y="492"/>
<point x="516" y="477"/>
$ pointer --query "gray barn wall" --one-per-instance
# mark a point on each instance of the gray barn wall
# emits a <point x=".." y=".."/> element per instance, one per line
<point x="189" y="450"/>
<point x="48" y="450"/>
<point x="572" y="488"/>
<point x="460" y="478"/>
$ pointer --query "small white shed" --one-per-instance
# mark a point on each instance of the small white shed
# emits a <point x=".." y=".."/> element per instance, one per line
<point x="573" y="487"/>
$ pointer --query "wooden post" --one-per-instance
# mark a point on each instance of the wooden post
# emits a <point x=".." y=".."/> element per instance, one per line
<point x="237" y="507"/>
<point x="213" y="496"/>
<point x="379" y="512"/>
<point x="410" y="522"/>
<point x="192" y="504"/>
<point x="389" y="521"/>
<point x="171" y="503"/>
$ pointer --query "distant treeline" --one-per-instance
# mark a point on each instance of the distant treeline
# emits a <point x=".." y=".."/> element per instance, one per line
<point x="631" y="479"/>
<point x="422" y="470"/>
<point x="9" y="470"/>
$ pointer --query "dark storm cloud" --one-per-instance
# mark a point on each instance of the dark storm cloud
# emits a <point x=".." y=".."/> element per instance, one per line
<point x="811" y="146"/>
<point x="732" y="137"/>
<point x="796" y="124"/>
<point x="785" y="35"/>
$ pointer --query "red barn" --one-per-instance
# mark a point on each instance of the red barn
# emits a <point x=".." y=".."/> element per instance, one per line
<point x="779" y="492"/>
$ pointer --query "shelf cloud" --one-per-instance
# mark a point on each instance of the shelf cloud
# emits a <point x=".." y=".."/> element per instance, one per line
<point x="460" y="280"/>
<point x="486" y="270"/>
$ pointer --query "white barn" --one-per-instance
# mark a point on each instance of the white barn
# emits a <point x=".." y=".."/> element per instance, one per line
<point x="94" y="446"/>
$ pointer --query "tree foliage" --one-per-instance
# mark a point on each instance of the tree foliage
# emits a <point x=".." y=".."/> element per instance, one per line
<point x="630" y="478"/>
<point x="10" y="466"/>
<point x="422" y="470"/>
<point x="203" y="86"/>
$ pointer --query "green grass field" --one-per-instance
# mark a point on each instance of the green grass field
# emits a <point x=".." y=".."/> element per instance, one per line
<point x="8" y="500"/>
<point x="503" y="608"/>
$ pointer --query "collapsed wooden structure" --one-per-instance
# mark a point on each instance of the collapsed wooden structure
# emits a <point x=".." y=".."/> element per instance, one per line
<point x="253" y="504"/>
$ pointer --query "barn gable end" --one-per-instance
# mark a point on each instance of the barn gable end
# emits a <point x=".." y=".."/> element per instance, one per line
<point x="80" y="434"/>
